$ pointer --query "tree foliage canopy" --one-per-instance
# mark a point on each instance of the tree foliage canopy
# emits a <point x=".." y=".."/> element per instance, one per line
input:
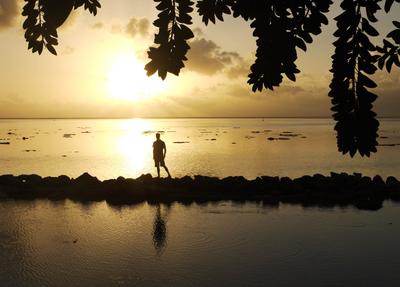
<point x="280" y="27"/>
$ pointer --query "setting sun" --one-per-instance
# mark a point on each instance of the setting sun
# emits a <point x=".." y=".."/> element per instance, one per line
<point x="127" y="79"/>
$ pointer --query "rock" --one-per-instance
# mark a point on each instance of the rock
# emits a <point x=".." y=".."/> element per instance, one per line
<point x="234" y="181"/>
<point x="206" y="181"/>
<point x="393" y="184"/>
<point x="86" y="178"/>
<point x="30" y="179"/>
<point x="317" y="190"/>
<point x="7" y="179"/>
<point x="305" y="181"/>
<point x="377" y="180"/>
<point x="285" y="180"/>
<point x="270" y="179"/>
<point x="63" y="179"/>
<point x="270" y="138"/>
<point x="323" y="183"/>
<point x="68" y="135"/>
<point x="391" y="180"/>
<point x="186" y="180"/>
<point x="145" y="177"/>
<point x="366" y="180"/>
<point x="4" y="142"/>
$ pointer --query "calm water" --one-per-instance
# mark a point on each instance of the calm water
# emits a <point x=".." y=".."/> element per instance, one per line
<point x="217" y="147"/>
<point x="69" y="244"/>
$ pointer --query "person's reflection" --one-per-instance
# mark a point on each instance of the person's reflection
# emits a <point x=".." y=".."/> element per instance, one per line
<point x="159" y="231"/>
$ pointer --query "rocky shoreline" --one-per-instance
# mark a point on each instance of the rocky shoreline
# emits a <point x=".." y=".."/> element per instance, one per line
<point x="338" y="189"/>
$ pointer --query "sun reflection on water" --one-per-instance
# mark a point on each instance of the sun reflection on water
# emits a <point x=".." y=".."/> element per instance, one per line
<point x="135" y="148"/>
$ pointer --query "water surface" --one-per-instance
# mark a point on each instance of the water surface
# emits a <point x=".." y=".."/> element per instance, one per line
<point x="215" y="147"/>
<point x="69" y="244"/>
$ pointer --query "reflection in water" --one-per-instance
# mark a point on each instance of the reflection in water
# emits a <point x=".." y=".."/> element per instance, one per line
<point x="159" y="231"/>
<point x="240" y="245"/>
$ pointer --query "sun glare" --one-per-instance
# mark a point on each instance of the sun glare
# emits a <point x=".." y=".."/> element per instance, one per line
<point x="133" y="147"/>
<point x="128" y="80"/>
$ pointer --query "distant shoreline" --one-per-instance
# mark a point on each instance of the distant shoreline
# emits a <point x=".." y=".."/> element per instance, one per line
<point x="177" y="118"/>
<point x="309" y="191"/>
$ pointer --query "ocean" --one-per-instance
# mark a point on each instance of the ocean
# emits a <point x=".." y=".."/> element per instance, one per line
<point x="108" y="148"/>
<point x="65" y="243"/>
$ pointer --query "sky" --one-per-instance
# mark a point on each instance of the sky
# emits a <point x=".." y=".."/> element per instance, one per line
<point x="99" y="70"/>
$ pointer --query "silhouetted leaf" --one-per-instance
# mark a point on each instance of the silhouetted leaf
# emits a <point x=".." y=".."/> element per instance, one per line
<point x="51" y="49"/>
<point x="388" y="5"/>
<point x="368" y="28"/>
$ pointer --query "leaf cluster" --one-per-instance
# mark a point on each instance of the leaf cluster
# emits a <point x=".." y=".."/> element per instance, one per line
<point x="352" y="65"/>
<point x="389" y="52"/>
<point x="172" y="37"/>
<point x="43" y="17"/>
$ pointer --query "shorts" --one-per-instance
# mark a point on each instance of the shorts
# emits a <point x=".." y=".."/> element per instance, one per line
<point x="159" y="162"/>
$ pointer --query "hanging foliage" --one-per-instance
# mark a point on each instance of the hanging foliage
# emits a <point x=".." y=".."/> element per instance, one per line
<point x="280" y="27"/>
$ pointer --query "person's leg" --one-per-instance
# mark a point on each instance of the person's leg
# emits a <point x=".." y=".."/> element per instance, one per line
<point x="166" y="169"/>
<point x="158" y="171"/>
<point x="157" y="165"/>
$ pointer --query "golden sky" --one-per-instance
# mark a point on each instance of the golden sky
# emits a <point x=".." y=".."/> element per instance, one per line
<point x="99" y="70"/>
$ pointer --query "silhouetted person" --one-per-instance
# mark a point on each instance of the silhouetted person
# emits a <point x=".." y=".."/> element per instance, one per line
<point x="159" y="152"/>
<point x="159" y="231"/>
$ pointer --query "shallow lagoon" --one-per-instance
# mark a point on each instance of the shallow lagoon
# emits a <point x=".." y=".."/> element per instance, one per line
<point x="212" y="147"/>
<point x="64" y="243"/>
<point x="69" y="244"/>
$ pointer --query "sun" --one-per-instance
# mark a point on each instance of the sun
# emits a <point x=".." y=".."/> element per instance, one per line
<point x="127" y="80"/>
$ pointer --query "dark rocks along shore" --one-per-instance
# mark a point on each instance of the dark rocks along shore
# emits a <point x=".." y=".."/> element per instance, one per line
<point x="338" y="189"/>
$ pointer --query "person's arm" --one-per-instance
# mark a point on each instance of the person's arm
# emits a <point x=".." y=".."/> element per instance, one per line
<point x="165" y="150"/>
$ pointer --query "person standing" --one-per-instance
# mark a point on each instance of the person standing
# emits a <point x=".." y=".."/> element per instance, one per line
<point x="159" y="153"/>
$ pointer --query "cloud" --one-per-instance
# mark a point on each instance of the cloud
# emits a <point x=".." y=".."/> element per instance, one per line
<point x="241" y="69"/>
<point x="8" y="13"/>
<point x="388" y="102"/>
<point x="116" y="28"/>
<point x="138" y="27"/>
<point x="98" y="25"/>
<point x="198" y="32"/>
<point x="68" y="50"/>
<point x="133" y="28"/>
<point x="206" y="57"/>
<point x="287" y="100"/>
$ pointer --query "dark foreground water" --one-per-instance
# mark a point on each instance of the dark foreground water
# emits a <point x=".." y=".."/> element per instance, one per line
<point x="44" y="243"/>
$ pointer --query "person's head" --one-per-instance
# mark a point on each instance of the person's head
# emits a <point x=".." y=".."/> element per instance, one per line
<point x="158" y="136"/>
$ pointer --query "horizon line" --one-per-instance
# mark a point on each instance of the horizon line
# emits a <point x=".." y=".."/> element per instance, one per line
<point x="199" y="117"/>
